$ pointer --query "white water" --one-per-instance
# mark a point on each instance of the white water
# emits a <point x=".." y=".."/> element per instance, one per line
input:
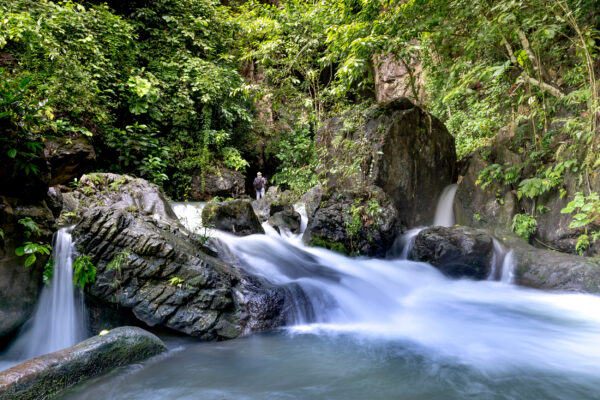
<point x="444" y="215"/>
<point x="190" y="215"/>
<point x="382" y="329"/>
<point x="59" y="319"/>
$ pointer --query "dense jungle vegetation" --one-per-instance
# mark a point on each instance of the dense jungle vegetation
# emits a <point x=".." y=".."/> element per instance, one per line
<point x="167" y="87"/>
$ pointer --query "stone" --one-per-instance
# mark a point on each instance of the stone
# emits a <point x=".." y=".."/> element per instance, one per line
<point x="398" y="147"/>
<point x="354" y="222"/>
<point x="312" y="200"/>
<point x="68" y="158"/>
<point x="286" y="220"/>
<point x="149" y="265"/>
<point x="45" y="376"/>
<point x="20" y="286"/>
<point x="236" y="216"/>
<point x="456" y="251"/>
<point x="220" y="181"/>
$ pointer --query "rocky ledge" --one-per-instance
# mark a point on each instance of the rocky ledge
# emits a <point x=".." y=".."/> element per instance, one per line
<point x="147" y="262"/>
<point x="43" y="377"/>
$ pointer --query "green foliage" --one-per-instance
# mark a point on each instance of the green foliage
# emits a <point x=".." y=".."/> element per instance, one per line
<point x="524" y="225"/>
<point x="84" y="271"/>
<point x="296" y="152"/>
<point x="31" y="228"/>
<point x="48" y="271"/>
<point x="587" y="212"/>
<point x="176" y="281"/>
<point x="31" y="249"/>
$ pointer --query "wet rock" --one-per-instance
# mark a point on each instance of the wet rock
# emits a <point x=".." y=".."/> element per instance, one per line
<point x="220" y="181"/>
<point x="45" y="376"/>
<point x="150" y="265"/>
<point x="312" y="200"/>
<point x="398" y="147"/>
<point x="456" y="251"/>
<point x="68" y="158"/>
<point x="20" y="286"/>
<point x="551" y="270"/>
<point x="236" y="216"/>
<point x="286" y="220"/>
<point x="361" y="222"/>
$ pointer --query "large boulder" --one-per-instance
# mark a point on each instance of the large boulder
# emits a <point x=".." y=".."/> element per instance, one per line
<point x="398" y="147"/>
<point x="220" y="181"/>
<point x="147" y="262"/>
<point x="20" y="286"/>
<point x="235" y="216"/>
<point x="286" y="220"/>
<point x="354" y="222"/>
<point x="551" y="270"/>
<point x="456" y="251"/>
<point x="68" y="158"/>
<point x="45" y="376"/>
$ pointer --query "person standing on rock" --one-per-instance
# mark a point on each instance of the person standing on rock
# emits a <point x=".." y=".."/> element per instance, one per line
<point x="259" y="186"/>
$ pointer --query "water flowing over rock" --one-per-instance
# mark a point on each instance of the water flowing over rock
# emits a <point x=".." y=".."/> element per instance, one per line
<point x="236" y="216"/>
<point x="286" y="220"/>
<point x="45" y="376"/>
<point x="220" y="181"/>
<point x="456" y="251"/>
<point x="398" y="147"/>
<point x="149" y="263"/>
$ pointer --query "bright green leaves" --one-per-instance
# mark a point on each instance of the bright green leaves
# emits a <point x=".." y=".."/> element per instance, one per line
<point x="30" y="250"/>
<point x="144" y="93"/>
<point x="84" y="271"/>
<point x="524" y="225"/>
<point x="587" y="213"/>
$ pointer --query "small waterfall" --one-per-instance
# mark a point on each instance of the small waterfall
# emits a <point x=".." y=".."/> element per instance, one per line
<point x="498" y="257"/>
<point x="508" y="268"/>
<point x="190" y="215"/>
<point x="59" y="319"/>
<point x="444" y="215"/>
<point x="404" y="243"/>
<point x="300" y="208"/>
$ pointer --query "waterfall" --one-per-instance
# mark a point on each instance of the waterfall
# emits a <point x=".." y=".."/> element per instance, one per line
<point x="59" y="318"/>
<point x="508" y="268"/>
<point x="498" y="256"/>
<point x="444" y="215"/>
<point x="190" y="214"/>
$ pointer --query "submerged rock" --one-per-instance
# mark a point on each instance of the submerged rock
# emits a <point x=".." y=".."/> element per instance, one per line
<point x="45" y="376"/>
<point x="147" y="262"/>
<point x="456" y="251"/>
<point x="361" y="222"/>
<point x="236" y="216"/>
<point x="220" y="181"/>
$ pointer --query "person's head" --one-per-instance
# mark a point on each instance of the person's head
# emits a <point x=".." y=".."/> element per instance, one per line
<point x="259" y="174"/>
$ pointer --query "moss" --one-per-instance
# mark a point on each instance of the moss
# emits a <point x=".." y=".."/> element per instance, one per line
<point x="317" y="241"/>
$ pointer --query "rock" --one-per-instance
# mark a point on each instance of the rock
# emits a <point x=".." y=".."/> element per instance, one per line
<point x="456" y="251"/>
<point x="236" y="216"/>
<point x="55" y="200"/>
<point x="493" y="207"/>
<point x="551" y="270"/>
<point x="394" y="79"/>
<point x="398" y="147"/>
<point x="312" y="200"/>
<point x="45" y="376"/>
<point x="221" y="181"/>
<point x="20" y="286"/>
<point x="68" y="158"/>
<point x="286" y="220"/>
<point x="148" y="263"/>
<point x="360" y="222"/>
<point x="273" y="201"/>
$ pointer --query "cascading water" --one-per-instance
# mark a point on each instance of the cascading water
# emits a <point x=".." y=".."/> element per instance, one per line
<point x="59" y="318"/>
<point x="444" y="215"/>
<point x="383" y="329"/>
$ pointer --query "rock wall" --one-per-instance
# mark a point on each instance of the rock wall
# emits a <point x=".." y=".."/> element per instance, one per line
<point x="398" y="147"/>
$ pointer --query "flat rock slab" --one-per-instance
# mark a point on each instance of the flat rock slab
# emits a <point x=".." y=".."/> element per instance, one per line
<point x="43" y="377"/>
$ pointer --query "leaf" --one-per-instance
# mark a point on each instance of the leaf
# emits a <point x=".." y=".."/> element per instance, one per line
<point x="30" y="260"/>
<point x="20" y="251"/>
<point x="12" y="153"/>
